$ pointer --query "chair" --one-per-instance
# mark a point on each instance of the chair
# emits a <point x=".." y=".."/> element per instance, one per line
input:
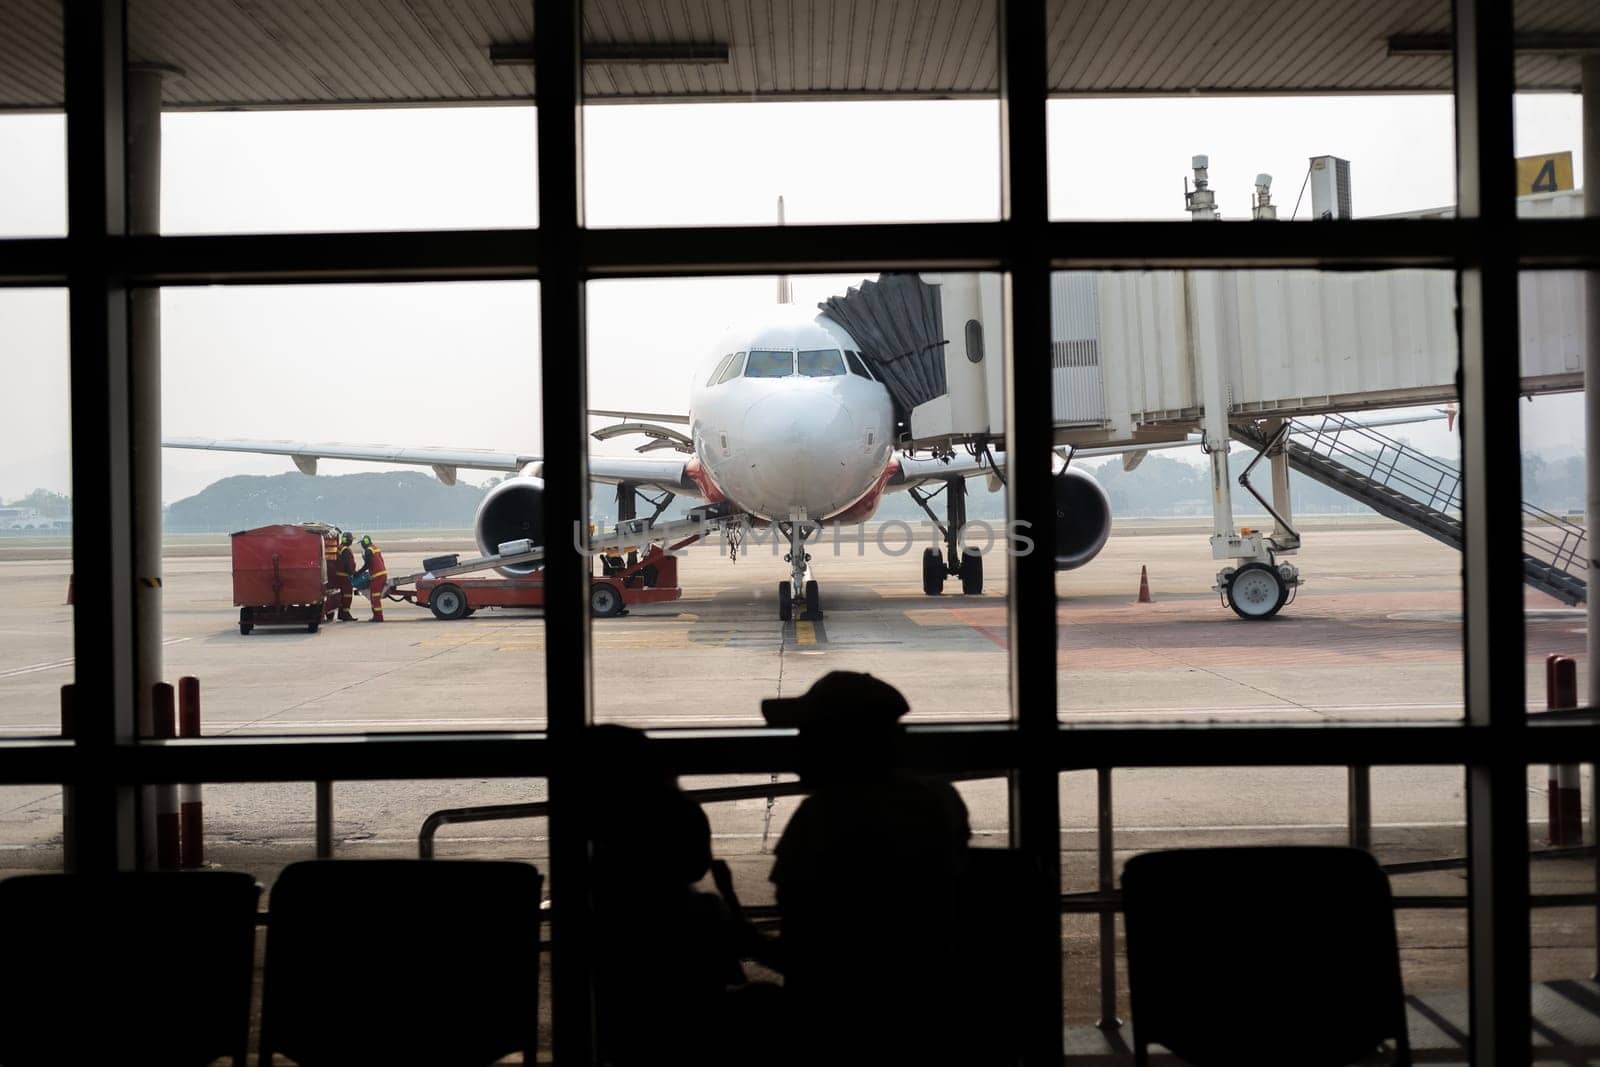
<point x="147" y="967"/>
<point x="402" y="961"/>
<point x="1247" y="956"/>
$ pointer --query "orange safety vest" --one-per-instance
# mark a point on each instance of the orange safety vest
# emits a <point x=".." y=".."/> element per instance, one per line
<point x="375" y="565"/>
<point x="346" y="563"/>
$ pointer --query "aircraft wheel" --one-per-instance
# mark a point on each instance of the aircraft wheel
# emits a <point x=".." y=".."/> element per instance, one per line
<point x="813" y="601"/>
<point x="971" y="572"/>
<point x="604" y="600"/>
<point x="785" y="602"/>
<point x="448" y="602"/>
<point x="933" y="572"/>
<point x="1256" y="591"/>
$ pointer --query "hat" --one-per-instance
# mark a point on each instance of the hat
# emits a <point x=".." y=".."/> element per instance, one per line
<point x="366" y="539"/>
<point x="839" y="698"/>
<point x="346" y="538"/>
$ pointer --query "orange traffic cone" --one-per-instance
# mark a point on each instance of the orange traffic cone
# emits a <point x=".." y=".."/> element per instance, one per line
<point x="72" y="582"/>
<point x="1144" y="587"/>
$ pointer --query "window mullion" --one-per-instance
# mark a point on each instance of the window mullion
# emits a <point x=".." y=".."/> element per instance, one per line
<point x="1497" y="803"/>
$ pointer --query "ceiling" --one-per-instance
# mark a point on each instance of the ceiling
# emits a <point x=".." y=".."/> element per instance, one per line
<point x="304" y="53"/>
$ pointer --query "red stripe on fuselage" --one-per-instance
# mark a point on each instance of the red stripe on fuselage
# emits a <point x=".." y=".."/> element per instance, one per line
<point x="863" y="509"/>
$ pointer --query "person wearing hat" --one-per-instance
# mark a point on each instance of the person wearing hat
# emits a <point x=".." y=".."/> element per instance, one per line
<point x="373" y="567"/>
<point x="867" y="877"/>
<point x="344" y="565"/>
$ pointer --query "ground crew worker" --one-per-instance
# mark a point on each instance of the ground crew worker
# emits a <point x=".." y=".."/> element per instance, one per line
<point x="373" y="567"/>
<point x="343" y="567"/>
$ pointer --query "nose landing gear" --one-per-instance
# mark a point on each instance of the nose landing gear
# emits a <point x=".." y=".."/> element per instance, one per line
<point x="800" y="588"/>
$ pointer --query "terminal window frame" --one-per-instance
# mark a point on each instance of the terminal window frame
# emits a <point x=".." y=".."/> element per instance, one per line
<point x="1487" y="244"/>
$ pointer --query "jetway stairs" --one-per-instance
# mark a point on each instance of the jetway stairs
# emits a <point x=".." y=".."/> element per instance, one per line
<point x="1424" y="493"/>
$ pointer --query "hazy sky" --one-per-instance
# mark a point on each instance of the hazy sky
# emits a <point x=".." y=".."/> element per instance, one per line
<point x="457" y="364"/>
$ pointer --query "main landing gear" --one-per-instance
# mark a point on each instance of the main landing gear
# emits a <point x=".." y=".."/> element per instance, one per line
<point x="954" y="561"/>
<point x="799" y="588"/>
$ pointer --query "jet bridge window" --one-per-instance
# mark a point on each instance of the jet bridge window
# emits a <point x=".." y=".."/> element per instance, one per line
<point x="821" y="363"/>
<point x="856" y="366"/>
<point x="730" y="370"/>
<point x="769" y="363"/>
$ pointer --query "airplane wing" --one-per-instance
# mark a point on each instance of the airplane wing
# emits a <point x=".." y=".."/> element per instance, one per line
<point x="444" y="461"/>
<point x="657" y="472"/>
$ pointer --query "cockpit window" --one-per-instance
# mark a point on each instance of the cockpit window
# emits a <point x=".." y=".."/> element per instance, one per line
<point x="821" y="363"/>
<point x="856" y="366"/>
<point x="731" y="371"/>
<point x="722" y="365"/>
<point x="769" y="363"/>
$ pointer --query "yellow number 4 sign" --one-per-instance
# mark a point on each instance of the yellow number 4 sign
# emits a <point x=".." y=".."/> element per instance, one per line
<point x="1544" y="174"/>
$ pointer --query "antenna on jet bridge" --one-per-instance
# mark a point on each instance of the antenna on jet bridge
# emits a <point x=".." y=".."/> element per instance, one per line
<point x="785" y="291"/>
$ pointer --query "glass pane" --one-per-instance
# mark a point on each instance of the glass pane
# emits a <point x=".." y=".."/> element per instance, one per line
<point x="262" y="828"/>
<point x="37" y="591"/>
<point x="1315" y="502"/>
<point x="414" y="412"/>
<point x="820" y="363"/>
<point x="317" y="119"/>
<point x="764" y="363"/>
<point x="33" y="131"/>
<point x="852" y="464"/>
<point x="743" y="115"/>
<point x="1415" y="829"/>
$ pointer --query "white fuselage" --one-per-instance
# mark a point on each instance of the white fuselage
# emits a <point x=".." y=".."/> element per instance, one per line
<point x="792" y="427"/>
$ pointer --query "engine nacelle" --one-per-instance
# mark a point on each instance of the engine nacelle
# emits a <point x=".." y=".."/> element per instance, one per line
<point x="512" y="510"/>
<point x="1083" y="518"/>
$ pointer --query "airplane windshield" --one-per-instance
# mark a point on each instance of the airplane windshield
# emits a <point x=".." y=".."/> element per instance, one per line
<point x="769" y="363"/>
<point x="856" y="366"/>
<point x="821" y="363"/>
<point x="731" y="371"/>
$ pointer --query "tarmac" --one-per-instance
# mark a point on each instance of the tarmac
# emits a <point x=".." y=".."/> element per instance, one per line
<point x="1374" y="634"/>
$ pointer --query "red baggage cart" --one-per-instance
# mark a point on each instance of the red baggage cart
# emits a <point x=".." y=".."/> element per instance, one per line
<point x="280" y="576"/>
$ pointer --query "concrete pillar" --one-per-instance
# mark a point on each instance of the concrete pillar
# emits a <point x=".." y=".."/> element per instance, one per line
<point x="1591" y="368"/>
<point x="144" y="359"/>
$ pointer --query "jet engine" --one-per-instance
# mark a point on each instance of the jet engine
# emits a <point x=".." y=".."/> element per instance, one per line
<point x="512" y="511"/>
<point x="1083" y="518"/>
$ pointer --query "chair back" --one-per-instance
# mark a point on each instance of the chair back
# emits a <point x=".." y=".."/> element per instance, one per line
<point x="1247" y="956"/>
<point x="138" y="967"/>
<point x="402" y="961"/>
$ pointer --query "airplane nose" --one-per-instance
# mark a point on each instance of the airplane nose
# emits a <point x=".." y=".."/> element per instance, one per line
<point x="800" y="442"/>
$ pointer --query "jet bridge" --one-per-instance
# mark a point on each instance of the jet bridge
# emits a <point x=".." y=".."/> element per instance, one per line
<point x="1146" y="357"/>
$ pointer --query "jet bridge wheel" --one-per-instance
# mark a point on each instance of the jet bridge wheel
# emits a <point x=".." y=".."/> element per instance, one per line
<point x="933" y="572"/>
<point x="1256" y="591"/>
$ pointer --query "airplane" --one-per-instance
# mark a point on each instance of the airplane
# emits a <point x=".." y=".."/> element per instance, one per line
<point x="789" y="426"/>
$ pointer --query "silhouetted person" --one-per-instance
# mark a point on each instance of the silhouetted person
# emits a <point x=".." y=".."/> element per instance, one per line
<point x="868" y="879"/>
<point x="668" y="953"/>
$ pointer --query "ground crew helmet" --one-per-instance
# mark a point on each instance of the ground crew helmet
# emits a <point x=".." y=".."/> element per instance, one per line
<point x="366" y="539"/>
<point x="346" y="538"/>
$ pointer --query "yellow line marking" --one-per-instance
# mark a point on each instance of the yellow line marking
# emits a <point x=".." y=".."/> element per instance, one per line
<point x="805" y="633"/>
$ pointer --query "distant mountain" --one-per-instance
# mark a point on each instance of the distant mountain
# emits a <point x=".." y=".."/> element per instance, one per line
<point x="1160" y="486"/>
<point x="380" y="501"/>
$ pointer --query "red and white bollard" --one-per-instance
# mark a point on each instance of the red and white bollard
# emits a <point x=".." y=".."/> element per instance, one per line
<point x="193" y="849"/>
<point x="1566" y="784"/>
<point x="165" y="728"/>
